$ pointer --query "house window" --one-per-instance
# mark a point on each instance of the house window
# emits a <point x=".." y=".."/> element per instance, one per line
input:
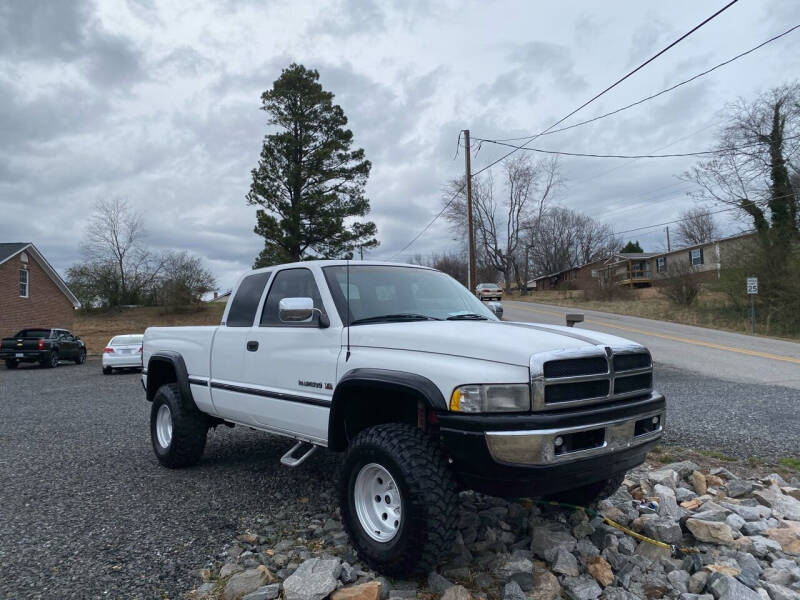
<point x="696" y="256"/>
<point x="23" y="283"/>
<point x="661" y="264"/>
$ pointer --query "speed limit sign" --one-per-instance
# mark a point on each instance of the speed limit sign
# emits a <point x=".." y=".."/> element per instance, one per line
<point x="752" y="285"/>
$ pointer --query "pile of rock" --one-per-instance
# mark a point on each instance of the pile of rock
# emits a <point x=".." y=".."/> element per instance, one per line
<point x="732" y="538"/>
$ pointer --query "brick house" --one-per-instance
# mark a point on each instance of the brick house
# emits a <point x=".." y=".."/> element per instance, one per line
<point x="32" y="294"/>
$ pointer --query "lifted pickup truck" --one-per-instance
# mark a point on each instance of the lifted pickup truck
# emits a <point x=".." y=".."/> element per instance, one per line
<point x="45" y="346"/>
<point x="424" y="390"/>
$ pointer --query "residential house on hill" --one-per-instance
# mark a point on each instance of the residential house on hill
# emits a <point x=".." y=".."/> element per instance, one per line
<point x="642" y="269"/>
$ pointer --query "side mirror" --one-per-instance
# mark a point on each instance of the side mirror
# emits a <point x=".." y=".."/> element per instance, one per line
<point x="574" y="318"/>
<point x="296" y="310"/>
<point x="300" y="310"/>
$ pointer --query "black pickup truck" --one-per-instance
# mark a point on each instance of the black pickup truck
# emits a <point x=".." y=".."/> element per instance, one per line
<point x="45" y="346"/>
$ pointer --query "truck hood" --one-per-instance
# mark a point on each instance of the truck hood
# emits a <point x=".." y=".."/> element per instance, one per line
<point x="498" y="341"/>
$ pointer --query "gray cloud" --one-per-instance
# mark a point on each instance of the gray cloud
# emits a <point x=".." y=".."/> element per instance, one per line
<point x="67" y="32"/>
<point x="352" y="17"/>
<point x="163" y="109"/>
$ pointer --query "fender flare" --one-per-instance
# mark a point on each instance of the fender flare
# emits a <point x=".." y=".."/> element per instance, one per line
<point x="417" y="385"/>
<point x="175" y="360"/>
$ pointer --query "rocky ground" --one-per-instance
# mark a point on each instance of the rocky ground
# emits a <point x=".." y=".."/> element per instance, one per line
<point x="733" y="539"/>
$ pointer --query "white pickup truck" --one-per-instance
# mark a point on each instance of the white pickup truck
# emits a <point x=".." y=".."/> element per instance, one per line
<point x="420" y="386"/>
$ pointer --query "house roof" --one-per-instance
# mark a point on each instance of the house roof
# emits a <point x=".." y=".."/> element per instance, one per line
<point x="635" y="255"/>
<point x="9" y="250"/>
<point x="711" y="243"/>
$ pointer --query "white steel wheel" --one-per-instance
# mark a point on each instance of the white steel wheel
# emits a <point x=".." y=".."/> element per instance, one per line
<point x="164" y="426"/>
<point x="378" y="503"/>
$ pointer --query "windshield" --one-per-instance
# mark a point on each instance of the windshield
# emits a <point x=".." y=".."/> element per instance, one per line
<point x="409" y="293"/>
<point x="126" y="340"/>
<point x="33" y="333"/>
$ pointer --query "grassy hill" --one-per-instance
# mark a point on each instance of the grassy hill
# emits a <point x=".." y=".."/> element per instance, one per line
<point x="97" y="327"/>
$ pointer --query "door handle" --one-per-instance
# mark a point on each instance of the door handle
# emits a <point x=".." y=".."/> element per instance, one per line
<point x="252" y="346"/>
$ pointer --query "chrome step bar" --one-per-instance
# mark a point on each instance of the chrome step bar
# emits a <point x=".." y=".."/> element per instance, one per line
<point x="298" y="454"/>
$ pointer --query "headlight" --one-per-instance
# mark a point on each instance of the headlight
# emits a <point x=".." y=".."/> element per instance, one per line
<point x="493" y="397"/>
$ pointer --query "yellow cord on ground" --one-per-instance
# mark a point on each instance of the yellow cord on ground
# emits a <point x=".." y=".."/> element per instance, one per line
<point x="622" y="528"/>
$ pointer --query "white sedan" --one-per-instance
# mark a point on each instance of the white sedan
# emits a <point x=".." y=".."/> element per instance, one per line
<point x="123" y="352"/>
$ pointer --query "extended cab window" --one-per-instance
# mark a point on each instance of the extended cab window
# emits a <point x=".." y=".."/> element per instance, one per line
<point x="245" y="302"/>
<point x="290" y="283"/>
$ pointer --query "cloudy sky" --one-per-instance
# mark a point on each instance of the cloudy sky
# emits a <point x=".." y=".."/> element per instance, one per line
<point x="158" y="103"/>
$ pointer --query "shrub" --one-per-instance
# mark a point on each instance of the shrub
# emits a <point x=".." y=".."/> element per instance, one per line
<point x="607" y="292"/>
<point x="681" y="285"/>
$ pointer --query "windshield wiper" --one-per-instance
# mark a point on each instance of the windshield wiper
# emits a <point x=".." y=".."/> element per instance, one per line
<point x="467" y="317"/>
<point x="396" y="317"/>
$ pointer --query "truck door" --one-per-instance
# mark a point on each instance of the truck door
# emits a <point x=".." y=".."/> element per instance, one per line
<point x="228" y="349"/>
<point x="292" y="366"/>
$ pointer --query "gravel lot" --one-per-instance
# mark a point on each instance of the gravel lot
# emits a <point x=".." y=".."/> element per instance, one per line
<point x="87" y="512"/>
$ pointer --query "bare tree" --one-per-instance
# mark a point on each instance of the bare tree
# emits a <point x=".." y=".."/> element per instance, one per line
<point x="564" y="238"/>
<point x="114" y="244"/>
<point x="696" y="226"/>
<point x="757" y="157"/>
<point x="499" y="219"/>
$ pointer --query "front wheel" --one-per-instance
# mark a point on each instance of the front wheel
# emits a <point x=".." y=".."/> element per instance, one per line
<point x="178" y="434"/>
<point x="81" y="358"/>
<point x="398" y="500"/>
<point x="11" y="363"/>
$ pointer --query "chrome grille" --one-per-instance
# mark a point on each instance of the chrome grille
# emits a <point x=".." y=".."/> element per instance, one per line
<point x="567" y="378"/>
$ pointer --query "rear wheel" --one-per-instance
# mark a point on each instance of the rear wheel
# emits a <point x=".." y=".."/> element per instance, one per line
<point x="398" y="499"/>
<point x="51" y="360"/>
<point x="178" y="434"/>
<point x="590" y="493"/>
<point x="107" y="370"/>
<point x="81" y="358"/>
<point x="11" y="363"/>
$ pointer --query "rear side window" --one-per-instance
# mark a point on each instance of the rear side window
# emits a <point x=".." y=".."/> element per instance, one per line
<point x="245" y="302"/>
<point x="33" y="333"/>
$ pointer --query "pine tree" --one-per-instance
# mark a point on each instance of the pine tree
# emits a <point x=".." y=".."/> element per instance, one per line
<point x="308" y="180"/>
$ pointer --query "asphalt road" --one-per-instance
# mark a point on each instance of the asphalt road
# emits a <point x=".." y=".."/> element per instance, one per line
<point x="735" y="393"/>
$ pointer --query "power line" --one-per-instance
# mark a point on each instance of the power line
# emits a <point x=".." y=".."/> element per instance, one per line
<point x="715" y="212"/>
<point x="581" y="107"/>
<point x="664" y="91"/>
<point x="613" y="85"/>
<point x="664" y="147"/>
<point x="633" y="156"/>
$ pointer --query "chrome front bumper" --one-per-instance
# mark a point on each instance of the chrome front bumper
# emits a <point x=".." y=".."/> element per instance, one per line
<point x="538" y="447"/>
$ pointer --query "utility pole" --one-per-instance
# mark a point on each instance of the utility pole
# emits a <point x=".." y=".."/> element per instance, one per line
<point x="471" y="283"/>
<point x="668" y="246"/>
<point x="361" y="251"/>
